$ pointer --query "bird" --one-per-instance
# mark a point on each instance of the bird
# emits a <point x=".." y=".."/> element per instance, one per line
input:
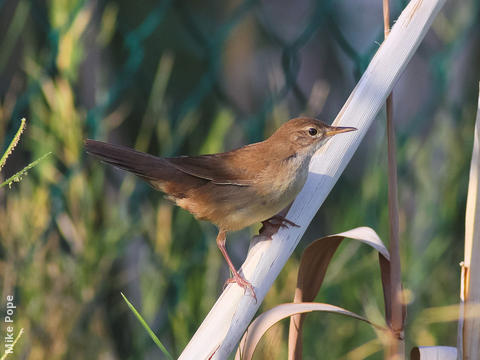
<point x="233" y="189"/>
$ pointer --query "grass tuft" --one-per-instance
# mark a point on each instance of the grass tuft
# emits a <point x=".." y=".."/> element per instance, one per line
<point x="24" y="172"/>
<point x="13" y="143"/>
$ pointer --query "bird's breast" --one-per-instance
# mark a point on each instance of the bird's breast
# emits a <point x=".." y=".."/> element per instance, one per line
<point x="286" y="183"/>
<point x="233" y="207"/>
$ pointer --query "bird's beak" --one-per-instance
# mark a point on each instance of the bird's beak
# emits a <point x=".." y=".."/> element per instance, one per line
<point x="334" y="130"/>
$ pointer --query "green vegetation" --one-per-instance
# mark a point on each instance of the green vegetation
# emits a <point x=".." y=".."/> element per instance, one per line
<point x="17" y="176"/>
<point x="147" y="328"/>
<point x="75" y="233"/>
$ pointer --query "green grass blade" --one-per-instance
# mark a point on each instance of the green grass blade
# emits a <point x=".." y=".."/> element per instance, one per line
<point x="150" y="332"/>
<point x="18" y="176"/>
<point x="13" y="143"/>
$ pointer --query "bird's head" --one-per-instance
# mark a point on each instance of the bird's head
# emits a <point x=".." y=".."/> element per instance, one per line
<point x="306" y="135"/>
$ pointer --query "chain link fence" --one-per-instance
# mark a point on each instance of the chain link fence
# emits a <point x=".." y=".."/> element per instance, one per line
<point x="198" y="36"/>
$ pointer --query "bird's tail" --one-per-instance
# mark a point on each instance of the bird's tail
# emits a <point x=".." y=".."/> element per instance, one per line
<point x="146" y="166"/>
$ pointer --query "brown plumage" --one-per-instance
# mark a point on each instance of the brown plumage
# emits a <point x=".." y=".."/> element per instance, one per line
<point x="233" y="189"/>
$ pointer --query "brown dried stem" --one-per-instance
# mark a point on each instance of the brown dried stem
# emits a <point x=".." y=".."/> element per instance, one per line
<point x="396" y="346"/>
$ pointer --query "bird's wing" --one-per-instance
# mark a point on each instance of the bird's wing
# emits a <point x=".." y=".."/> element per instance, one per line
<point x="224" y="168"/>
<point x="146" y="166"/>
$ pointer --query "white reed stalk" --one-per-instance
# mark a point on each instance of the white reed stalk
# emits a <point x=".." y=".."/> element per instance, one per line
<point x="223" y="327"/>
<point x="468" y="343"/>
<point x="433" y="353"/>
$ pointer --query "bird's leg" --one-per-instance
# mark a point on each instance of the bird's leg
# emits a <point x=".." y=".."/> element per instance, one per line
<point x="236" y="278"/>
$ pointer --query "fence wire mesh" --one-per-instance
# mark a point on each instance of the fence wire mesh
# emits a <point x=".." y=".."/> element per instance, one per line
<point x="198" y="34"/>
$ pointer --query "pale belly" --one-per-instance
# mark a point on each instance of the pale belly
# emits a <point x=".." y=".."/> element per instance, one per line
<point x="276" y="197"/>
<point x="232" y="207"/>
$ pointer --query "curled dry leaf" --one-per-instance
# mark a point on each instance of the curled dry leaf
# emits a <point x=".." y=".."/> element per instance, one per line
<point x="313" y="266"/>
<point x="266" y="320"/>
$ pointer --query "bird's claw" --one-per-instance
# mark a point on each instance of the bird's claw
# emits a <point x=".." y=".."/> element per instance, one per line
<point x="281" y="221"/>
<point x="271" y="226"/>
<point x="240" y="281"/>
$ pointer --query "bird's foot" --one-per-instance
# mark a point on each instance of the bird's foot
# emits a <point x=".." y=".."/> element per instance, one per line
<point x="271" y="226"/>
<point x="282" y="221"/>
<point x="240" y="281"/>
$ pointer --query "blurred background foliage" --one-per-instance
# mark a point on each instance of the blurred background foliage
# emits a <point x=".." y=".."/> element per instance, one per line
<point x="191" y="77"/>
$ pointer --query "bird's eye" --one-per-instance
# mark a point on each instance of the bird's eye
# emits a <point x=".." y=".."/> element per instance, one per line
<point x="312" y="131"/>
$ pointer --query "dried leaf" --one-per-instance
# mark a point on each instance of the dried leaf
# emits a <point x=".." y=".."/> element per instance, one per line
<point x="266" y="320"/>
<point x="313" y="266"/>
